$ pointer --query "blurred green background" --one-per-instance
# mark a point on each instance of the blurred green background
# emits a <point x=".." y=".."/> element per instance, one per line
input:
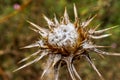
<point x="15" y="33"/>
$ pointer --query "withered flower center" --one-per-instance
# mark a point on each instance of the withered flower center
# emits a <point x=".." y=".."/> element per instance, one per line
<point x="64" y="37"/>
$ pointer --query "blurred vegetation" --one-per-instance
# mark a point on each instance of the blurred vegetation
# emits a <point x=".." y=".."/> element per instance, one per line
<point x="15" y="33"/>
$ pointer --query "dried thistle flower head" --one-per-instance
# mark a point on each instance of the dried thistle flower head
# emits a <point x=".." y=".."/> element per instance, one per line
<point x="65" y="42"/>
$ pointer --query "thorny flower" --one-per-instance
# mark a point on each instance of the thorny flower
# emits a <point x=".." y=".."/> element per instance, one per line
<point x="64" y="42"/>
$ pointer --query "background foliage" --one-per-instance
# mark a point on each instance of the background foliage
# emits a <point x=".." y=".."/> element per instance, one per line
<point x="15" y="33"/>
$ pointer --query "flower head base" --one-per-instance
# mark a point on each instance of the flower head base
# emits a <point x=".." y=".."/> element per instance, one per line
<point x="64" y="42"/>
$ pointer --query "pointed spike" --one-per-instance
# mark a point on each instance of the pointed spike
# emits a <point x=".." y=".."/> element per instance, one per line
<point x="31" y="45"/>
<point x="101" y="31"/>
<point x="66" y="17"/>
<point x="76" y="73"/>
<point x="96" y="46"/>
<point x="35" y="30"/>
<point x="43" y="32"/>
<point x="105" y="53"/>
<point x="114" y="54"/>
<point x="99" y="37"/>
<point x="87" y="46"/>
<point x="31" y="62"/>
<point x="27" y="64"/>
<point x="68" y="61"/>
<point x="91" y="31"/>
<point x="55" y="19"/>
<point x="36" y="26"/>
<point x="101" y="56"/>
<point x="49" y="63"/>
<point x="62" y="20"/>
<point x="56" y="59"/>
<point x="91" y="46"/>
<point x="56" y="71"/>
<point x="97" y="27"/>
<point x="93" y="66"/>
<point x="39" y="43"/>
<point x="75" y="12"/>
<point x="85" y="24"/>
<point x="50" y="23"/>
<point x="34" y="54"/>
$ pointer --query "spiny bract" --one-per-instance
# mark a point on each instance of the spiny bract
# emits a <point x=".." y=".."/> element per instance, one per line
<point x="65" y="42"/>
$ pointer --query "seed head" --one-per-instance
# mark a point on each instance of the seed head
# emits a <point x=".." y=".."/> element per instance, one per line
<point x="65" y="42"/>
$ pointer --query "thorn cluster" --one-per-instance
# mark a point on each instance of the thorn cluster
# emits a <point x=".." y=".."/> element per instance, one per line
<point x="65" y="41"/>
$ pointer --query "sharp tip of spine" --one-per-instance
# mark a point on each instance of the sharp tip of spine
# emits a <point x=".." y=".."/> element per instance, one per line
<point x="29" y="46"/>
<point x="28" y="21"/>
<point x="65" y="12"/>
<point x="17" y="69"/>
<point x="46" y="18"/>
<point x="22" y="48"/>
<point x="75" y="11"/>
<point x="115" y="26"/>
<point x="93" y="17"/>
<point x="14" y="70"/>
<point x="74" y="6"/>
<point x="20" y="61"/>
